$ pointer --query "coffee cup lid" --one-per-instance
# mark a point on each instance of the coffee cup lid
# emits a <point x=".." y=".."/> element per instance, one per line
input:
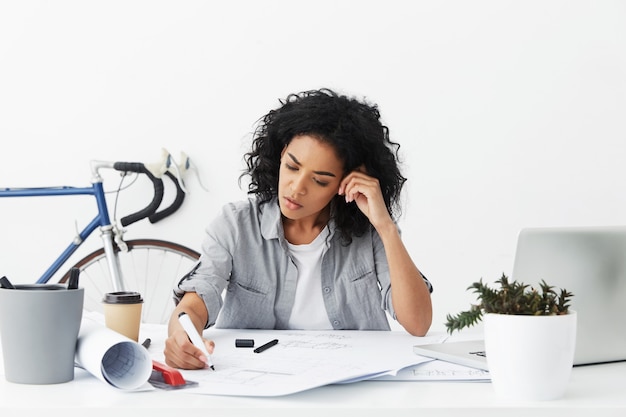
<point x="122" y="297"/>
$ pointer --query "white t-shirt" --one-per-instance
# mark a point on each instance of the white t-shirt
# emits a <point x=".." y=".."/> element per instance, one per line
<point x="309" y="311"/>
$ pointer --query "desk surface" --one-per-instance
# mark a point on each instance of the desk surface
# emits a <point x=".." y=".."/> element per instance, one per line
<point x="597" y="389"/>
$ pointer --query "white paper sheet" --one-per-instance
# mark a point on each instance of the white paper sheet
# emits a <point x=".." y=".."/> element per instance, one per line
<point x="301" y="360"/>
<point x="112" y="357"/>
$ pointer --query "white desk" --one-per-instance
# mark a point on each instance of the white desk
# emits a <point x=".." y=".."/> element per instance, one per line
<point x="597" y="390"/>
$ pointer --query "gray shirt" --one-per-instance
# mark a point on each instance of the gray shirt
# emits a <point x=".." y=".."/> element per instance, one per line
<point x="245" y="252"/>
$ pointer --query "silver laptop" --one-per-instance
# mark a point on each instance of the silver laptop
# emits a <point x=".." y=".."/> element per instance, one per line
<point x="590" y="262"/>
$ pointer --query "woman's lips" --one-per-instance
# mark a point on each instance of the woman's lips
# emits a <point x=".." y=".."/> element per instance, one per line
<point x="291" y="204"/>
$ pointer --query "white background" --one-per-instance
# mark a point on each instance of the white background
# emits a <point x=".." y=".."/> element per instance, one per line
<point x="510" y="113"/>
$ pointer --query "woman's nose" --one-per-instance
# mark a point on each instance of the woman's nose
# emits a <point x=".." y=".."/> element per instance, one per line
<point x="298" y="185"/>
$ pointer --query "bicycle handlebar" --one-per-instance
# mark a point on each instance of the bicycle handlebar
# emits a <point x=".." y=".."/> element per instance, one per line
<point x="150" y="211"/>
<point x="157" y="183"/>
<point x="178" y="201"/>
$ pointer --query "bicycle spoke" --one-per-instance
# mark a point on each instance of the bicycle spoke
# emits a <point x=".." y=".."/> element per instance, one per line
<point x="151" y="267"/>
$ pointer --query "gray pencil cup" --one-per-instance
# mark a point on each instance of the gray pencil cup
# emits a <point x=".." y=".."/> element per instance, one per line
<point x="39" y="325"/>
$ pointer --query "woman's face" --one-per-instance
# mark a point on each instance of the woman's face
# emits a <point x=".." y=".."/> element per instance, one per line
<point x="309" y="177"/>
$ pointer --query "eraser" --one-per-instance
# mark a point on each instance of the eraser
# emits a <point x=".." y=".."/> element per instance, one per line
<point x="244" y="342"/>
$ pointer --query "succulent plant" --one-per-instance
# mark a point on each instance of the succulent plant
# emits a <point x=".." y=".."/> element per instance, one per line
<point x="512" y="297"/>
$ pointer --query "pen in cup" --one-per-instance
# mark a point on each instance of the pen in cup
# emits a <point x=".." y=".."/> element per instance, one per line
<point x="5" y="283"/>
<point x="73" y="281"/>
<point x="194" y="336"/>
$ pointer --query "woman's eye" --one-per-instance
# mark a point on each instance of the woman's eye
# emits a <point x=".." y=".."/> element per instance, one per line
<point x="322" y="183"/>
<point x="291" y="167"/>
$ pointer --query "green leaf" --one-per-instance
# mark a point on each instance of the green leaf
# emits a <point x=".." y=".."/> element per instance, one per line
<point x="510" y="298"/>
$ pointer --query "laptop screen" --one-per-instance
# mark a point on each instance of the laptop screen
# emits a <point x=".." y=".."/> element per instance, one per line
<point x="590" y="262"/>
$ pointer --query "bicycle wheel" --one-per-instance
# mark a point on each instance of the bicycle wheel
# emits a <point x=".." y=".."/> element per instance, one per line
<point x="151" y="267"/>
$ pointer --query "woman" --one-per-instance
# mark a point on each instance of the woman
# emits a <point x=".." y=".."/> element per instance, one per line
<point x="316" y="246"/>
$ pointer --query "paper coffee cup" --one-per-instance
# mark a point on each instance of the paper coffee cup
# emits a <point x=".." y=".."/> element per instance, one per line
<point x="122" y="312"/>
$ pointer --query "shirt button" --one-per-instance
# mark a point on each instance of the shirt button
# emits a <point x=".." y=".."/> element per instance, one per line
<point x="326" y="290"/>
<point x="335" y="322"/>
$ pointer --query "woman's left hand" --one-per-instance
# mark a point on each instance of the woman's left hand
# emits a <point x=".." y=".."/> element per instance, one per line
<point x="409" y="294"/>
<point x="365" y="191"/>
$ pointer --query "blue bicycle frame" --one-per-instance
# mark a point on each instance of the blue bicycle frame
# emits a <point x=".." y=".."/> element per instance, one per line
<point x="101" y="220"/>
<point x="108" y="231"/>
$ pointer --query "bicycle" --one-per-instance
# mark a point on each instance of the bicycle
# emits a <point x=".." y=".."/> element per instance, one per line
<point x="143" y="265"/>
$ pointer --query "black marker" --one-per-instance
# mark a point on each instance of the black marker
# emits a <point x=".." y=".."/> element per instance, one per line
<point x="266" y="346"/>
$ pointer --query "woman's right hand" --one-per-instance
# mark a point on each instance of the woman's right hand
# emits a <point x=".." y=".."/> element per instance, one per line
<point x="181" y="353"/>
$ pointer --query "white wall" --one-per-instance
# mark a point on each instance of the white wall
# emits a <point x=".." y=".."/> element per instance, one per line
<point x="510" y="113"/>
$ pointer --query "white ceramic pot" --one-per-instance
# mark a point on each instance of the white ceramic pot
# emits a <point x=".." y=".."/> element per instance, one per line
<point x="530" y="357"/>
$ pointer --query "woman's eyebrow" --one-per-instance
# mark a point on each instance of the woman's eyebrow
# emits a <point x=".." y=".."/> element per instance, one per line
<point x="295" y="161"/>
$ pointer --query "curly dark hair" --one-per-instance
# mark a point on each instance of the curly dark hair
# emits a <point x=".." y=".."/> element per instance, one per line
<point x="352" y="127"/>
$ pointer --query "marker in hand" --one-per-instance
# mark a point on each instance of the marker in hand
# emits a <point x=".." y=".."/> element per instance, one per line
<point x="194" y="336"/>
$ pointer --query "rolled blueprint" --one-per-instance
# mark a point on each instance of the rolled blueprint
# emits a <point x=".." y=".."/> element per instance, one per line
<point x="112" y="357"/>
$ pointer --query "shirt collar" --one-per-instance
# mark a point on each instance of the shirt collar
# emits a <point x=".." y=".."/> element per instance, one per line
<point x="271" y="224"/>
